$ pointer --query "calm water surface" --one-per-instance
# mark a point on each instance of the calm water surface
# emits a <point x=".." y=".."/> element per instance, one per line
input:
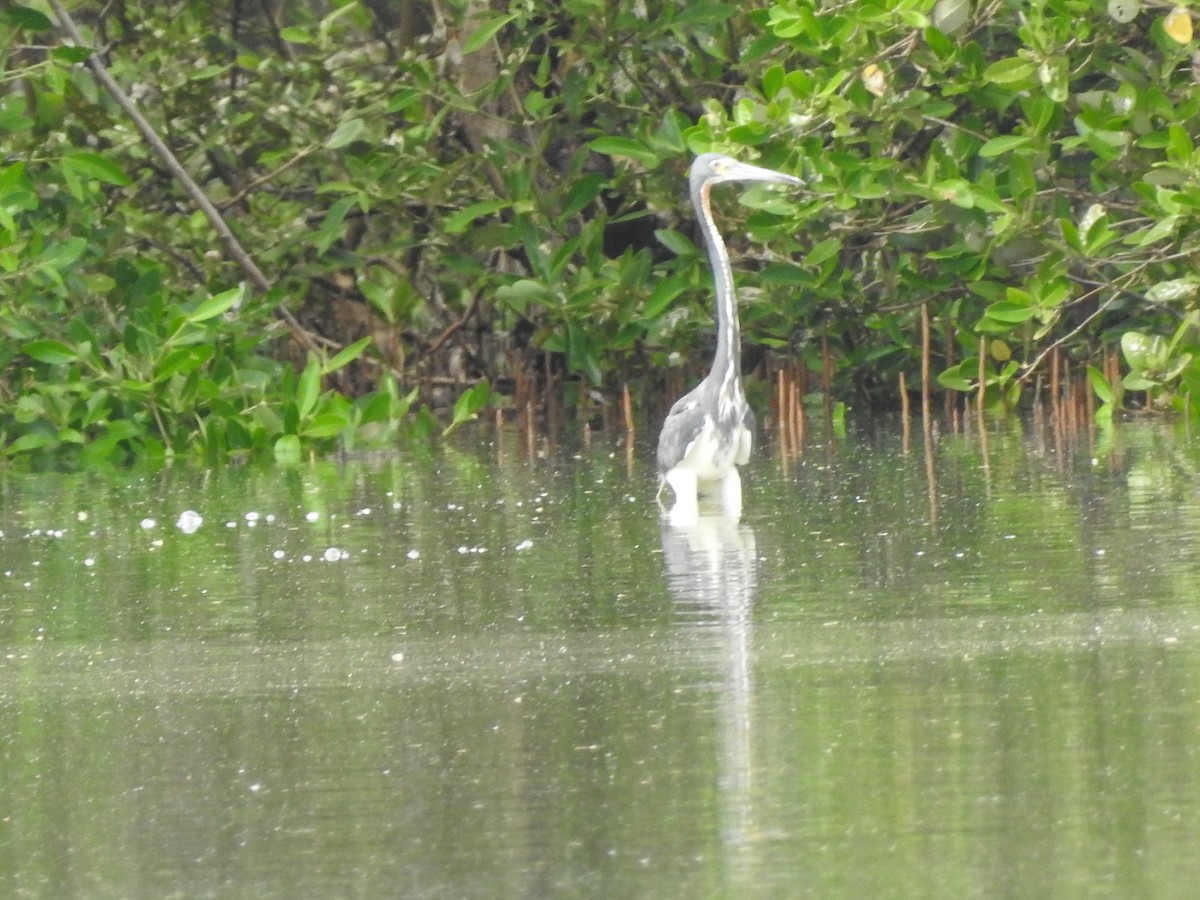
<point x="973" y="675"/>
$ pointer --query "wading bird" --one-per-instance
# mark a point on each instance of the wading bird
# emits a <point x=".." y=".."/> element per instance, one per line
<point x="710" y="429"/>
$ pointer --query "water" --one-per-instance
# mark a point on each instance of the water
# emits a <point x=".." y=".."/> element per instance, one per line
<point x="469" y="675"/>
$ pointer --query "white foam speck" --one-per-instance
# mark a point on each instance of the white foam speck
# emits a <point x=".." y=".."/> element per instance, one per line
<point x="189" y="521"/>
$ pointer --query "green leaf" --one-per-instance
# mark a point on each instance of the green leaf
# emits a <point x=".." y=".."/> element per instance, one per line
<point x="627" y="147"/>
<point x="521" y="293"/>
<point x="93" y="165"/>
<point x="485" y="32"/>
<point x="31" y="440"/>
<point x="1179" y="143"/>
<point x="1008" y="71"/>
<point x="676" y="242"/>
<point x="346" y="355"/>
<point x="838" y="419"/>
<point x="13" y="121"/>
<point x="207" y="73"/>
<point x="182" y="360"/>
<point x="61" y="254"/>
<point x="772" y="81"/>
<point x="1010" y="312"/>
<point x="1054" y="75"/>
<point x="1124" y="11"/>
<point x="669" y="137"/>
<point x="953" y="379"/>
<point x="938" y="42"/>
<point x="1143" y="351"/>
<point x="957" y="191"/>
<point x="216" y="305"/>
<point x="457" y="222"/>
<point x="822" y="251"/>
<point x="1100" y="385"/>
<point x="949" y="16"/>
<point x="469" y="405"/>
<point x="325" y="425"/>
<point x="1003" y="144"/>
<point x="785" y="274"/>
<point x="287" y="449"/>
<point x="708" y="13"/>
<point x="308" y="391"/>
<point x="582" y="193"/>
<point x="70" y="55"/>
<point x="28" y="19"/>
<point x="293" y="34"/>
<point x="402" y="99"/>
<point x="581" y="351"/>
<point x="330" y="228"/>
<point x="1171" y="291"/>
<point x="54" y="353"/>
<point x="663" y="295"/>
<point x="386" y="406"/>
<point x="1136" y="381"/>
<point x="345" y="133"/>
<point x="1163" y="228"/>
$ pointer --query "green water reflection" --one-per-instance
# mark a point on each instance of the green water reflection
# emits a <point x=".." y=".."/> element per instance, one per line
<point x="474" y="676"/>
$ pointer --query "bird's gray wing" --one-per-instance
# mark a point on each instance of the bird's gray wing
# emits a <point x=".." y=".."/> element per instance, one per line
<point x="743" y="454"/>
<point x="683" y="423"/>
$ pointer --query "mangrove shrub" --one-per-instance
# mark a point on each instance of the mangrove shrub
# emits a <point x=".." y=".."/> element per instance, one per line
<point x="445" y="204"/>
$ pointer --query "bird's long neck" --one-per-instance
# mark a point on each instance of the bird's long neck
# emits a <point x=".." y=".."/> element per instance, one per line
<point x="727" y="363"/>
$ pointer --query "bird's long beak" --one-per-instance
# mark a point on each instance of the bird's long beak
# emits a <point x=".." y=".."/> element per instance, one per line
<point x="740" y="171"/>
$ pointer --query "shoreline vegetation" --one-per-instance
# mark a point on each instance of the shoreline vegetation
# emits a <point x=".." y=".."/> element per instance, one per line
<point x="225" y="233"/>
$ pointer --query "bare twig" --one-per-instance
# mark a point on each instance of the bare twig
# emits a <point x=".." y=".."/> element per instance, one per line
<point x="1117" y="289"/>
<point x="261" y="180"/>
<point x="454" y="326"/>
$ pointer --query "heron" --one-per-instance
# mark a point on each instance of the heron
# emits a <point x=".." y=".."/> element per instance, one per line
<point x="709" y="431"/>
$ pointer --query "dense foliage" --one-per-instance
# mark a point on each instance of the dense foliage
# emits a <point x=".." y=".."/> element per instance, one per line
<point x="449" y="199"/>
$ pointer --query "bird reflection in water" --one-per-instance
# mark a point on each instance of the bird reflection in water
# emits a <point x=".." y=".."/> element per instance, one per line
<point x="712" y="574"/>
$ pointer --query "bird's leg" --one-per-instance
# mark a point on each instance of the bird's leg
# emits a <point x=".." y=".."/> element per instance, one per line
<point x="731" y="494"/>
<point x="683" y="483"/>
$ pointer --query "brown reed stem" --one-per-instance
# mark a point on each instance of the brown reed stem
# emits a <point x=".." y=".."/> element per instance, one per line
<point x="926" y="353"/>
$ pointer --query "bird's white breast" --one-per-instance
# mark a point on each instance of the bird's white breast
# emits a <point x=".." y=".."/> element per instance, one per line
<point x="711" y="455"/>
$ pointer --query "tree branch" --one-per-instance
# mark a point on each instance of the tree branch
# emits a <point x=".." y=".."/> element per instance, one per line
<point x="219" y="225"/>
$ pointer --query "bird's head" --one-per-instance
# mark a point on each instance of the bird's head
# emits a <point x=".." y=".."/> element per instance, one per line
<point x="716" y="168"/>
